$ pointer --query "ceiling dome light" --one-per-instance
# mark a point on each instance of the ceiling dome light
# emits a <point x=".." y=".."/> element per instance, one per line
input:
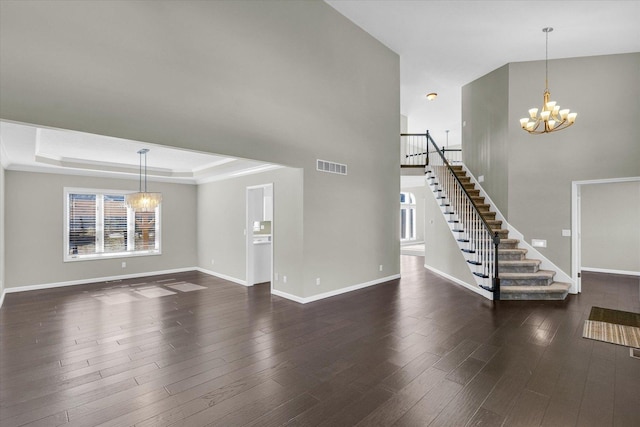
<point x="431" y="96"/>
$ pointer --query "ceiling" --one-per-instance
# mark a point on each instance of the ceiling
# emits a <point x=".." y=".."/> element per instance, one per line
<point x="443" y="45"/>
<point x="31" y="148"/>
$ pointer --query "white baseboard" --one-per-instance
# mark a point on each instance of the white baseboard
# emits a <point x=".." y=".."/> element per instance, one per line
<point x="222" y="276"/>
<point x="289" y="296"/>
<point x="1" y="298"/>
<point x="286" y="295"/>
<point x="610" y="271"/>
<point x="306" y="300"/>
<point x="475" y="288"/>
<point x="95" y="280"/>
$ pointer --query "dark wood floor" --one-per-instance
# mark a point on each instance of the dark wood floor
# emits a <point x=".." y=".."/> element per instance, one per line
<point x="416" y="351"/>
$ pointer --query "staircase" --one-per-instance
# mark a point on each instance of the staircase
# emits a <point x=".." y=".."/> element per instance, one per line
<point x="520" y="277"/>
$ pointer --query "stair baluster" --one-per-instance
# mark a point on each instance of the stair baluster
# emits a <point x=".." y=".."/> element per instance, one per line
<point x="481" y="242"/>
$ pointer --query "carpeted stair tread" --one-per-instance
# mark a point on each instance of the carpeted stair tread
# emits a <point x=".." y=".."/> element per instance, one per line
<point x="537" y="275"/>
<point x="511" y="254"/>
<point x="519" y="265"/>
<point x="506" y="242"/>
<point x="538" y="278"/>
<point x="513" y="263"/>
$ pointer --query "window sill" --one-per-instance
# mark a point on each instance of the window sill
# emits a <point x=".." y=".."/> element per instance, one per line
<point x="95" y="257"/>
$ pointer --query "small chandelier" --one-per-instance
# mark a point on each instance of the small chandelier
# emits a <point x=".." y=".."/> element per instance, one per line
<point x="143" y="201"/>
<point x="551" y="116"/>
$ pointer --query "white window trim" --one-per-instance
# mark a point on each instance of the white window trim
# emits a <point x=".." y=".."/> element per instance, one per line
<point x="410" y="205"/>
<point x="130" y="229"/>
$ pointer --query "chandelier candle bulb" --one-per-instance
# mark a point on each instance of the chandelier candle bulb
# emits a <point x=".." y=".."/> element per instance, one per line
<point x="143" y="201"/>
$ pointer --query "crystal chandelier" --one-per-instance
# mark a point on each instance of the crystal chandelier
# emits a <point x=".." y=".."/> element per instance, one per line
<point x="143" y="201"/>
<point x="551" y="117"/>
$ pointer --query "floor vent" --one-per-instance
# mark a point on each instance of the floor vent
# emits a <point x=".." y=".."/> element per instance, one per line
<point x="331" y="167"/>
<point x="634" y="352"/>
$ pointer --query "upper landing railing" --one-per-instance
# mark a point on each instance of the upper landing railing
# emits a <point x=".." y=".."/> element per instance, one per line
<point x="414" y="151"/>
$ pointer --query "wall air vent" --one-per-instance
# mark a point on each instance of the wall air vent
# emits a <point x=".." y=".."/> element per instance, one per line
<point x="331" y="167"/>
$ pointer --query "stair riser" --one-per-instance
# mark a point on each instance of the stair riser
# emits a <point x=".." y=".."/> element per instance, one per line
<point x="519" y="269"/>
<point x="535" y="296"/>
<point x="509" y="257"/>
<point x="526" y="282"/>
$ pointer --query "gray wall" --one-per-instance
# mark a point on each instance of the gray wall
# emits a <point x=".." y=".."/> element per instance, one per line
<point x="36" y="240"/>
<point x="441" y="249"/>
<point x="610" y="225"/>
<point x="222" y="221"/>
<point x="605" y="92"/>
<point x="486" y="142"/>
<point x="280" y="81"/>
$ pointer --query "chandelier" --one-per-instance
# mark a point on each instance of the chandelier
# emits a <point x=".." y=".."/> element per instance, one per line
<point x="551" y="117"/>
<point x="143" y="201"/>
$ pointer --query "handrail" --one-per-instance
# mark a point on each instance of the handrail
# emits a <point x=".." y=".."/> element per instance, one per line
<point x="476" y="214"/>
<point x="466" y="193"/>
<point x="415" y="151"/>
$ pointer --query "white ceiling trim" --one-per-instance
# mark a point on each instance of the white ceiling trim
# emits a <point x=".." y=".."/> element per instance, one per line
<point x="31" y="148"/>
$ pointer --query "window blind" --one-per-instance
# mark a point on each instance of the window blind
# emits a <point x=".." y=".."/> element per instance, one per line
<point x="99" y="224"/>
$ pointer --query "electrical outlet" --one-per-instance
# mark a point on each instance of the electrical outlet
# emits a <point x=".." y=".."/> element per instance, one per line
<point x="284" y="279"/>
<point x="481" y="178"/>
<point x="317" y="280"/>
<point x="276" y="276"/>
<point x="124" y="264"/>
<point x="380" y="268"/>
<point x="213" y="261"/>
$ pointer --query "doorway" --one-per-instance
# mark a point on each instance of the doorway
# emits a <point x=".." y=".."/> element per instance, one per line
<point x="260" y="232"/>
<point x="577" y="226"/>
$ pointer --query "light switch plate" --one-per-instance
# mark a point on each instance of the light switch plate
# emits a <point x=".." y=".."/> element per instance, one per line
<point x="566" y="233"/>
<point x="538" y="243"/>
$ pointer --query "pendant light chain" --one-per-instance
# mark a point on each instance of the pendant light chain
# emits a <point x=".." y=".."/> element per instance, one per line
<point x="546" y="59"/>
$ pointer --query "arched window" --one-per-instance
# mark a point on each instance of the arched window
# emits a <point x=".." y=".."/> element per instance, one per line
<point x="407" y="216"/>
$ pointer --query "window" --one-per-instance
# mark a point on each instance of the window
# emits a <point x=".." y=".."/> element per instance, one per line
<point x="407" y="216"/>
<point x="98" y="224"/>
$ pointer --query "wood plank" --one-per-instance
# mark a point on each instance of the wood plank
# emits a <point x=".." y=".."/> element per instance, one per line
<point x="416" y="351"/>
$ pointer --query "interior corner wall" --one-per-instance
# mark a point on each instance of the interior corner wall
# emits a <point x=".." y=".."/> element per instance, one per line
<point x="485" y="140"/>
<point x="610" y="227"/>
<point x="540" y="169"/>
<point x="222" y="207"/>
<point x="278" y="81"/>
<point x="36" y="235"/>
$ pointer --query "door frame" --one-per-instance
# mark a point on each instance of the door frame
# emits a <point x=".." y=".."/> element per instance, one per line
<point x="576" y="226"/>
<point x="249" y="233"/>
